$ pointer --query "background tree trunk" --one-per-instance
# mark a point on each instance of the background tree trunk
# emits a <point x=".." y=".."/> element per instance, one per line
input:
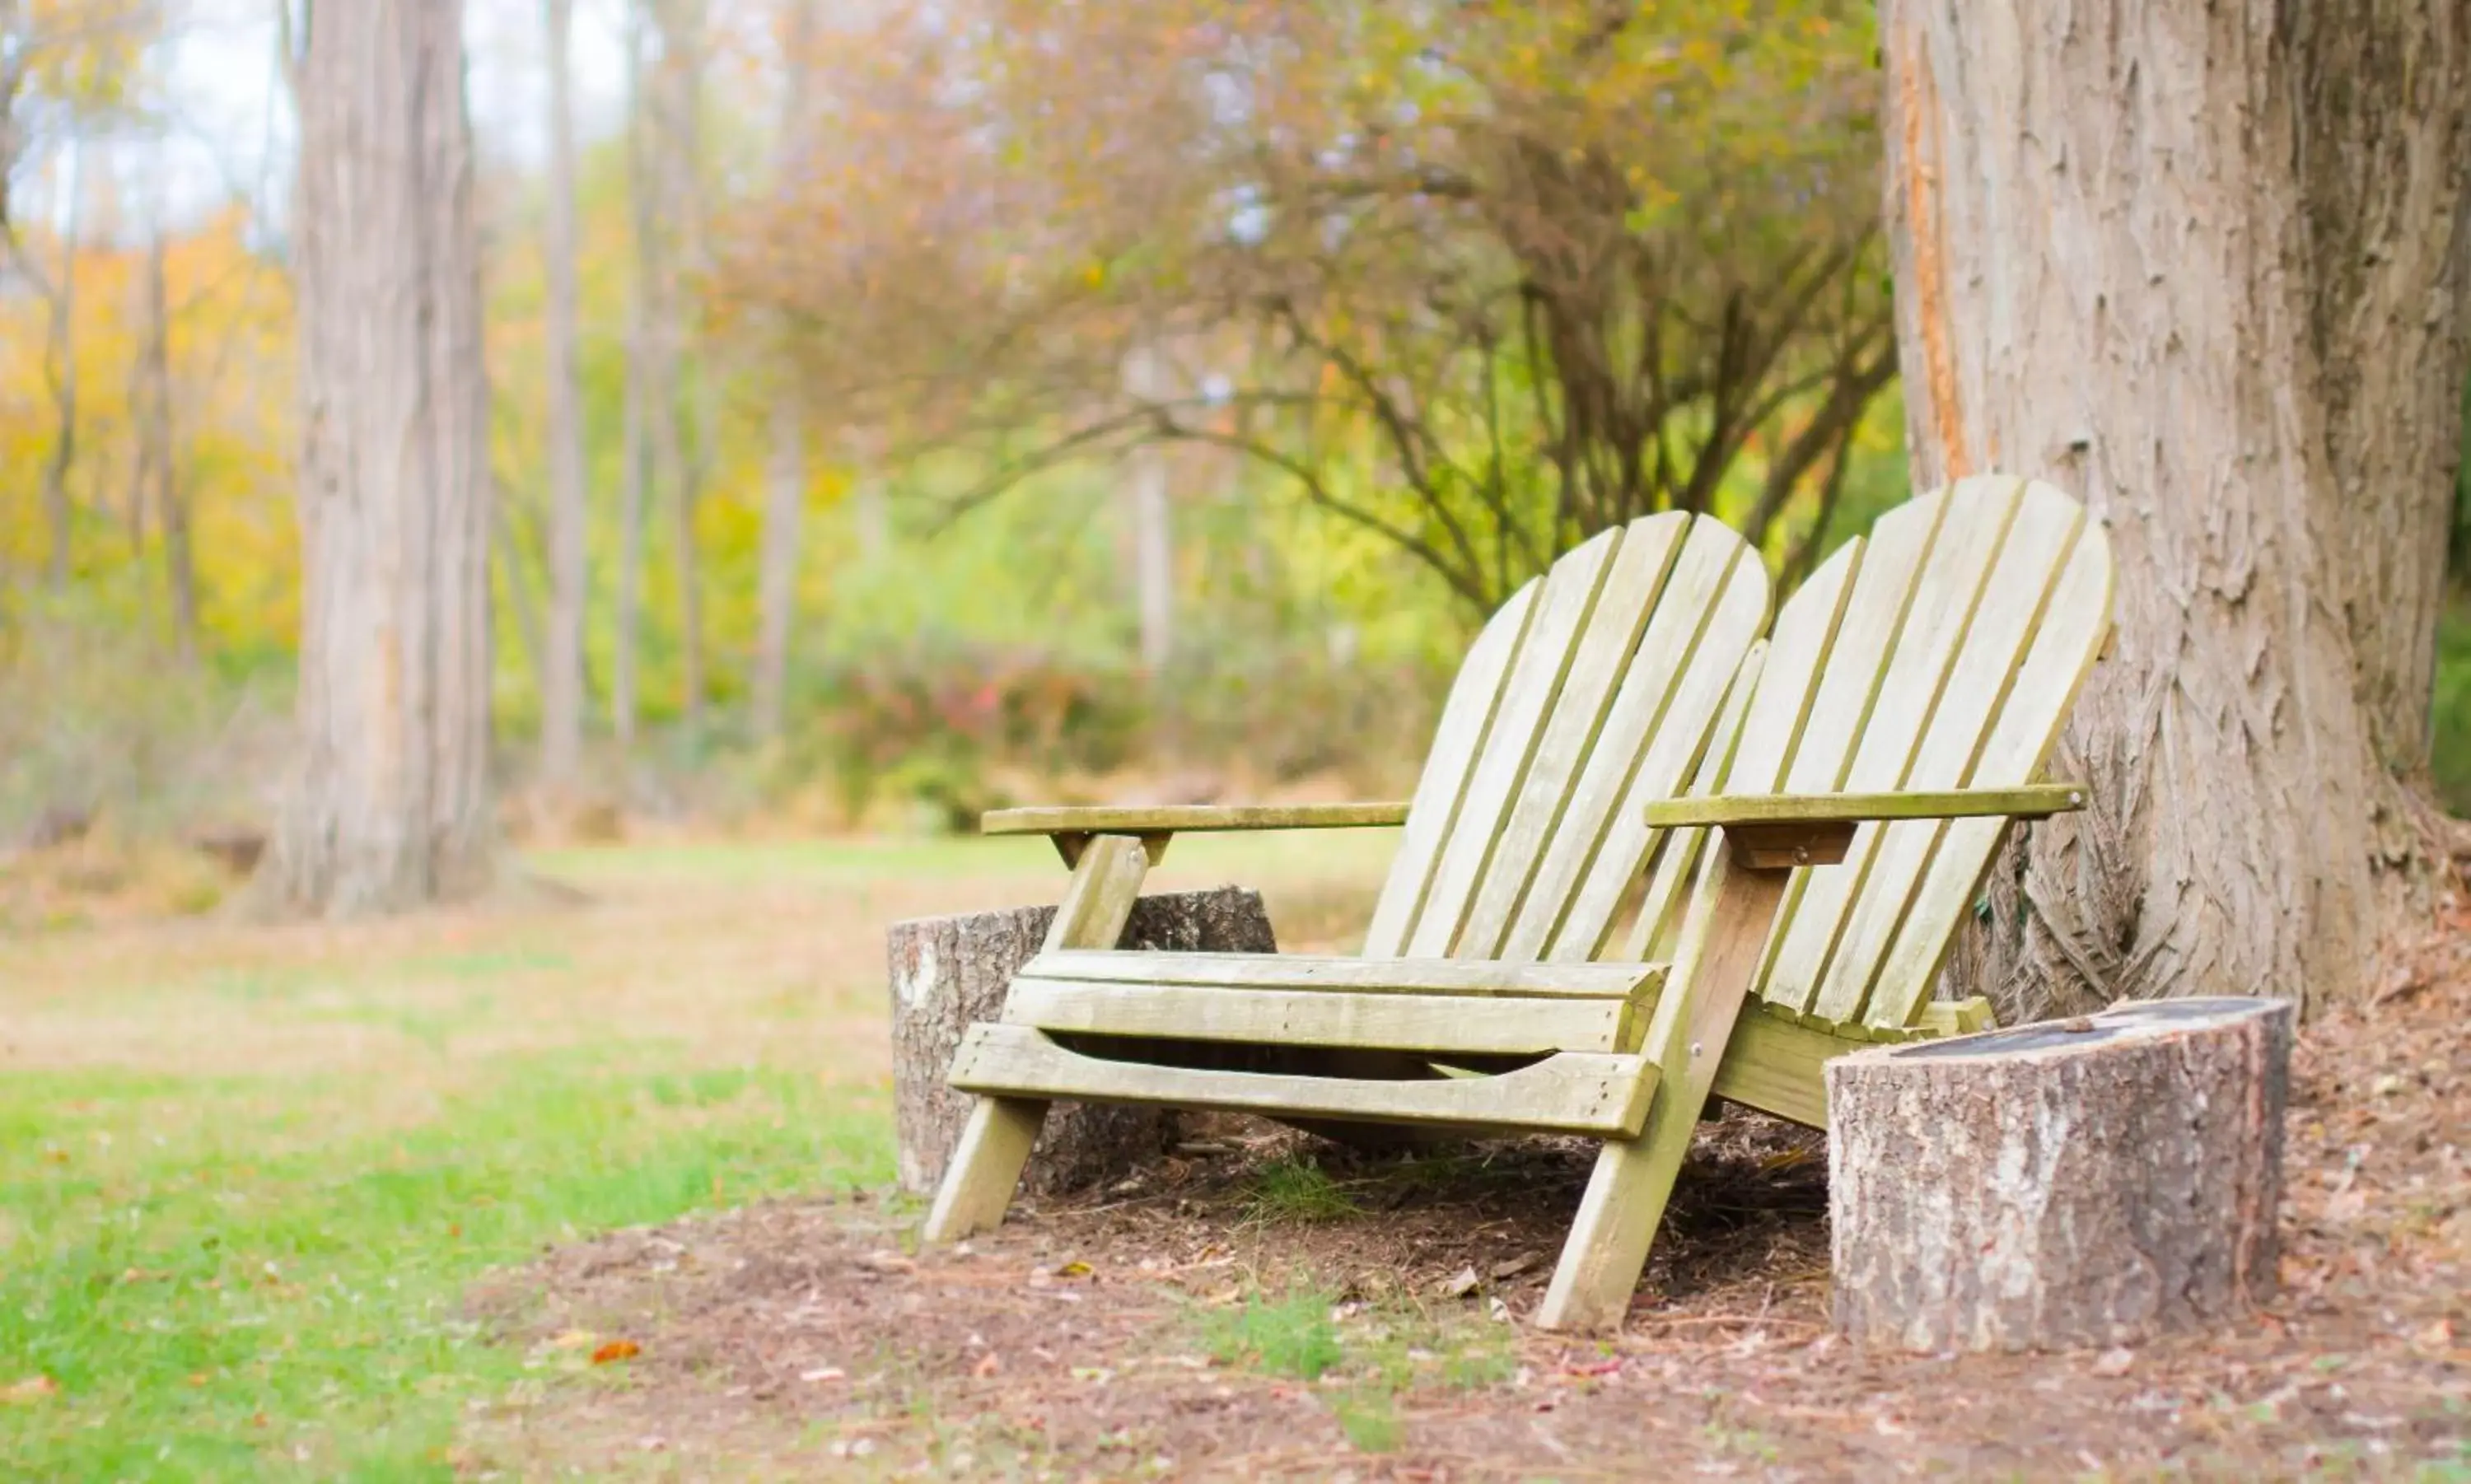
<point x="784" y="507"/>
<point x="1147" y="474"/>
<point x="2206" y="266"/>
<point x="60" y="368"/>
<point x="388" y="805"/>
<point x="672" y="157"/>
<point x="784" y="497"/>
<point x="157" y="445"/>
<point x="563" y="665"/>
<point x="622" y="698"/>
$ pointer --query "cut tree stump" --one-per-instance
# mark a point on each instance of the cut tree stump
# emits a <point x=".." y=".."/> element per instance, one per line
<point x="947" y="972"/>
<point x="2092" y="1182"/>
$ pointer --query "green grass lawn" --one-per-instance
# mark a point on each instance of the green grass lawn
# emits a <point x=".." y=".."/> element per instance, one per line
<point x="247" y="1174"/>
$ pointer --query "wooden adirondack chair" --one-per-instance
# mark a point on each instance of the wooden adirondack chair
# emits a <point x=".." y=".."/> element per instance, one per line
<point x="1908" y="692"/>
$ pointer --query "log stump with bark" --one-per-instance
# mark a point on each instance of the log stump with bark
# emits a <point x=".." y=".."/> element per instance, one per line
<point x="2088" y="1182"/>
<point x="948" y="972"/>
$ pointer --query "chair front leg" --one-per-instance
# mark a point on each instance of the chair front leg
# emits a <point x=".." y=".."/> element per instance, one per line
<point x="996" y="1141"/>
<point x="1735" y="906"/>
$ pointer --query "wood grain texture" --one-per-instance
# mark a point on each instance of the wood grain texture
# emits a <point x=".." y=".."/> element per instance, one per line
<point x="1634" y="578"/>
<point x="1458" y="740"/>
<point x="1686" y="1037"/>
<point x="1183" y="818"/>
<point x="2252" y="364"/>
<point x="1575" y="1092"/>
<point x="1316" y="1017"/>
<point x="2066" y="1184"/>
<point x="1662" y="724"/>
<point x="1363" y="976"/>
<point x="2031" y="801"/>
<point x="996" y="1141"/>
<point x="945" y="972"/>
<point x="1527" y="700"/>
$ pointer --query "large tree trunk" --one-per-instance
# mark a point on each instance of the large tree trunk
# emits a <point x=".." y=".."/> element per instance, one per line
<point x="562" y="666"/>
<point x="388" y="804"/>
<point x="2207" y="265"/>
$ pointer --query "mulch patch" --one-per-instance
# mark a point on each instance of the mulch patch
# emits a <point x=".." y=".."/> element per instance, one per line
<point x="1107" y="1336"/>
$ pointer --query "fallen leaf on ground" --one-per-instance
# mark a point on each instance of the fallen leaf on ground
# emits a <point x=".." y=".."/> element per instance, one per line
<point x="823" y="1373"/>
<point x="616" y="1350"/>
<point x="33" y="1388"/>
<point x="887" y="1263"/>
<point x="2114" y="1362"/>
<point x="988" y="1365"/>
<point x="1460" y="1283"/>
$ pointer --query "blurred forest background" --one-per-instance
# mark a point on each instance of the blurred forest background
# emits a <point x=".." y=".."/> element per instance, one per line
<point x="897" y="410"/>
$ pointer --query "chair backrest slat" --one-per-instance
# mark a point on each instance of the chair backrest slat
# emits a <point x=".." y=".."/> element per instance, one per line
<point x="1467" y="721"/>
<point x="1661" y="724"/>
<point x="1634" y="582"/>
<point x="1603" y="677"/>
<point x="1974" y="613"/>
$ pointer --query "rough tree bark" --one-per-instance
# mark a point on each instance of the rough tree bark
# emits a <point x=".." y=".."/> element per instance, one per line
<point x="387" y="802"/>
<point x="948" y="972"/>
<point x="2207" y="265"/>
<point x="563" y="665"/>
<point x="2096" y="1181"/>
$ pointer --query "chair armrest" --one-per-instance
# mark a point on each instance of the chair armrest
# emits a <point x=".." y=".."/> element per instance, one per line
<point x="2033" y="801"/>
<point x="1179" y="819"/>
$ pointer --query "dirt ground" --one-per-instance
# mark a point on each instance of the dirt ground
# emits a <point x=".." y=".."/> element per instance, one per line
<point x="1234" y="1314"/>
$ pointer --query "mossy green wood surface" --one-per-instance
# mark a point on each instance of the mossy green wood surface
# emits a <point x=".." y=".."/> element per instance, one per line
<point x="1687" y="1039"/>
<point x="2033" y="801"/>
<point x="1316" y="1017"/>
<point x="1572" y="1092"/>
<point x="1190" y="818"/>
<point x="1368" y="976"/>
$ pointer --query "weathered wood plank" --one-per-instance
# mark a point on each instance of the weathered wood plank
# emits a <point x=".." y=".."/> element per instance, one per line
<point x="1710" y="618"/>
<point x="1527" y="698"/>
<point x="1467" y="721"/>
<point x="1657" y="928"/>
<point x="1934" y="616"/>
<point x="1363" y="976"/>
<point x="1956" y="1017"/>
<point x="1184" y="818"/>
<point x="2029" y="801"/>
<point x="1773" y="1063"/>
<point x="1686" y="1037"/>
<point x="1100" y="898"/>
<point x="1633" y="583"/>
<point x="2065" y="648"/>
<point x="1575" y="1091"/>
<point x="1780" y="845"/>
<point x="1400" y="1021"/>
<point x="2015" y="593"/>
<point x="995" y="1142"/>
